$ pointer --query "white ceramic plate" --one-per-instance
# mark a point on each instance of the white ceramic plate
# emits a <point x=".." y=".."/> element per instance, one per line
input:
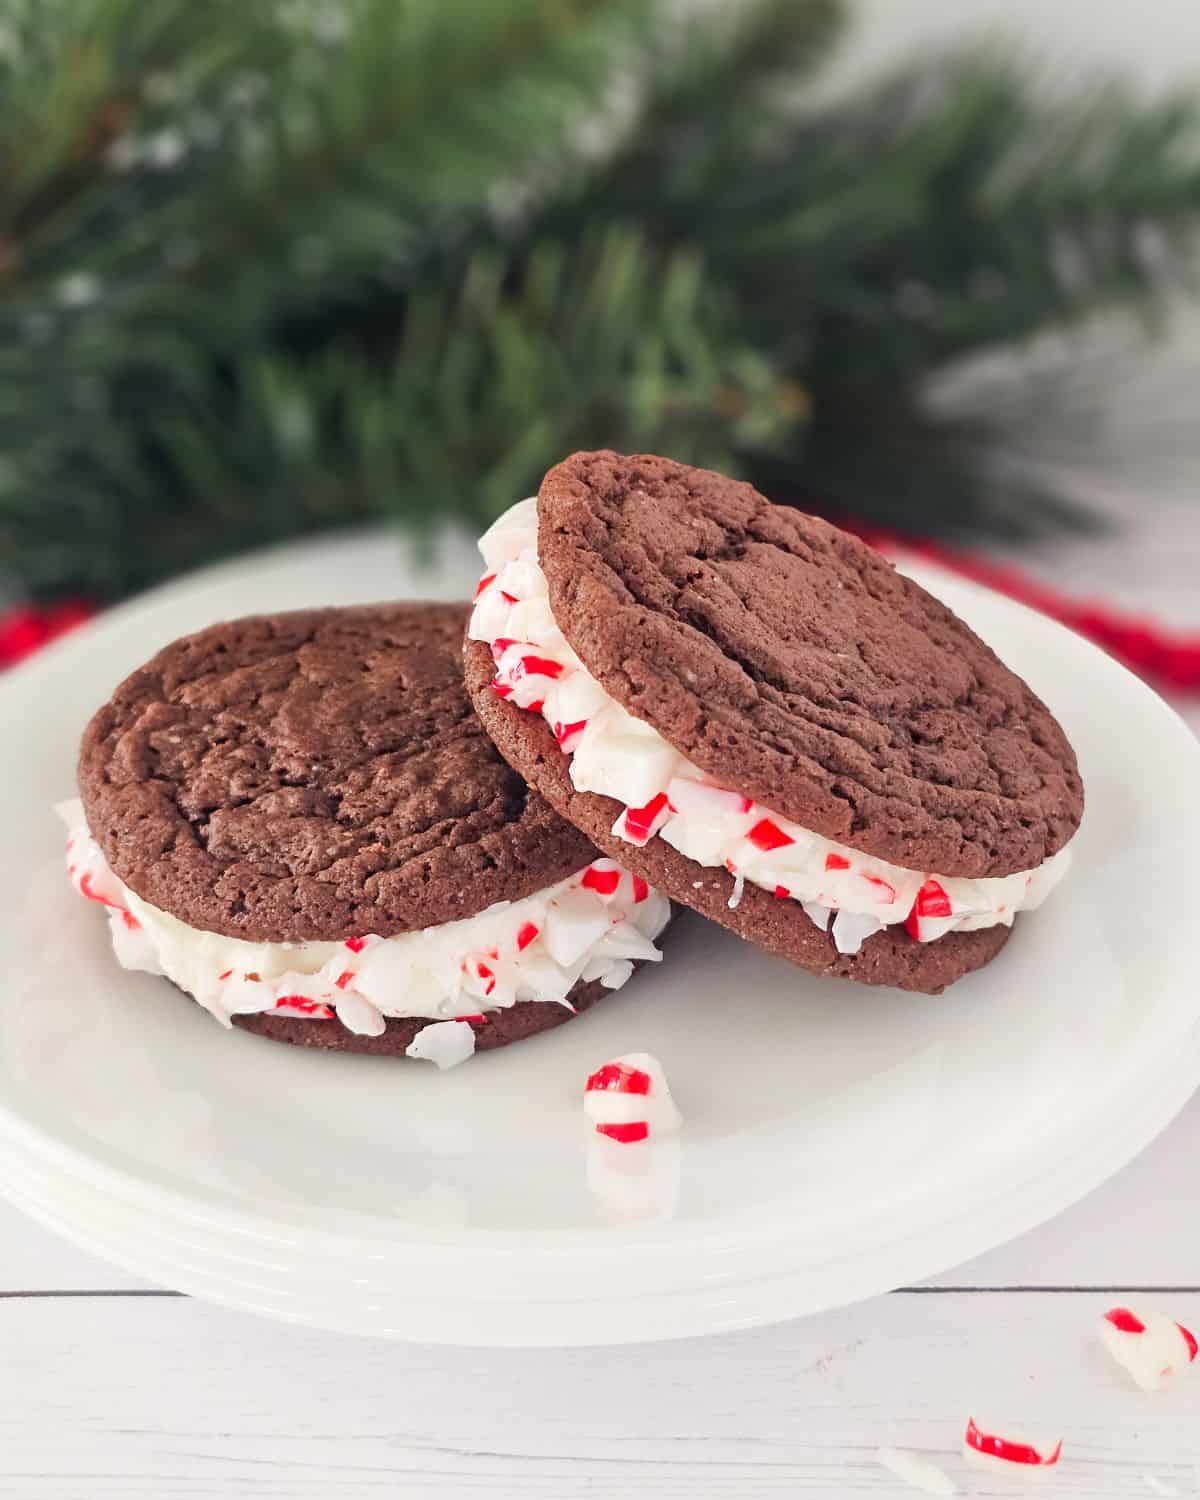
<point x="837" y="1141"/>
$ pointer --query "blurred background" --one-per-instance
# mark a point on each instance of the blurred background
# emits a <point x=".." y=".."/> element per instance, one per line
<point x="273" y="270"/>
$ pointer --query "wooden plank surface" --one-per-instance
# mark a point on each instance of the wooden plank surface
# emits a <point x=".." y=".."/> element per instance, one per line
<point x="170" y="1398"/>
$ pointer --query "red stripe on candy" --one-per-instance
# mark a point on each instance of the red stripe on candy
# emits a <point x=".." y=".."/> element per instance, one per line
<point x="619" y="1078"/>
<point x="344" y="979"/>
<point x="767" y="835"/>
<point x="1012" y="1453"/>
<point x="638" y="1130"/>
<point x="131" y="921"/>
<point x="87" y="889"/>
<point x="640" y="889"/>
<point x="485" y="582"/>
<point x="603" y="882"/>
<point x="563" y="732"/>
<point x="500" y="645"/>
<point x="526" y="934"/>
<point x="836" y="862"/>
<point x="782" y="893"/>
<point x="226" y="974"/>
<point x="541" y="666"/>
<point x="536" y="708"/>
<point x="304" y="1004"/>
<point x="1122" y="1318"/>
<point x="639" y="821"/>
<point x="1189" y="1339"/>
<point x="932" y="900"/>
<point x="501" y="689"/>
<point x="477" y="1019"/>
<point x="512" y="598"/>
<point x="887" y="890"/>
<point x="356" y="945"/>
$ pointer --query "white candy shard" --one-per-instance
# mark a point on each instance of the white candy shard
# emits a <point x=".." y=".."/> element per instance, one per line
<point x="1152" y="1349"/>
<point x="513" y="533"/>
<point x="709" y="804"/>
<point x="357" y="1014"/>
<point x="622" y="758"/>
<point x="916" y="1472"/>
<point x="575" y="922"/>
<point x="634" y="1184"/>
<point x="444" y="1043"/>
<point x="851" y="929"/>
<point x="627" y="1099"/>
<point x="131" y="943"/>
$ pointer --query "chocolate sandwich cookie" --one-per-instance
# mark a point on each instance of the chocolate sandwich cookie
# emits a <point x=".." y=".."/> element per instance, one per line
<point x="299" y="820"/>
<point x="759" y="715"/>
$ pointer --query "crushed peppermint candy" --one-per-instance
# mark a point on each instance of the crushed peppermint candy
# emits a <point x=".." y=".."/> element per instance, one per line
<point x="989" y="1448"/>
<point x="593" y="926"/>
<point x="663" y="795"/>
<point x="1153" y="1350"/>
<point x="628" y="1100"/>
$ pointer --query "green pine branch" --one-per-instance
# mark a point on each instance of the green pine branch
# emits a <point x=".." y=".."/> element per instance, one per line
<point x="266" y="270"/>
<point x="491" y="381"/>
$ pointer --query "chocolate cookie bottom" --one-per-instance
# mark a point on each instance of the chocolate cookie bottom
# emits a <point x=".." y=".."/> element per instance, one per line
<point x="515" y="1024"/>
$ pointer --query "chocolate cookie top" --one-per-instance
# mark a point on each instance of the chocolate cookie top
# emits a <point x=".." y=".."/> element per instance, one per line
<point x="315" y="775"/>
<point x="791" y="662"/>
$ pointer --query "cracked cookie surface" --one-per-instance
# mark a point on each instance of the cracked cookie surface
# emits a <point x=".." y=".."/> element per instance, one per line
<point x="791" y="662"/>
<point x="315" y="775"/>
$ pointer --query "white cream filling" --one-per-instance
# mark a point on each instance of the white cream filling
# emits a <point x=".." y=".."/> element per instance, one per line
<point x="592" y="926"/>
<point x="841" y="889"/>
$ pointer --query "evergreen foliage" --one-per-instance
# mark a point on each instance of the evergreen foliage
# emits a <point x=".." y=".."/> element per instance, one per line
<point x="267" y="269"/>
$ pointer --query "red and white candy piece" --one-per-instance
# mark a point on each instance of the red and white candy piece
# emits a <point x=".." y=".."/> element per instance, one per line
<point x="1154" y="1350"/>
<point x="932" y="914"/>
<point x="986" y="1447"/>
<point x="569" y="734"/>
<point x="638" y="825"/>
<point x="628" y="1100"/>
<point x="444" y="1043"/>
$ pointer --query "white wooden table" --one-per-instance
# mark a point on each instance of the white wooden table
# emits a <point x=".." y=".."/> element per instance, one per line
<point x="109" y="1387"/>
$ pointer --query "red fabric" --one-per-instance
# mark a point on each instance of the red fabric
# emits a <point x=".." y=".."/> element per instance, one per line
<point x="1170" y="658"/>
<point x="28" y="627"/>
